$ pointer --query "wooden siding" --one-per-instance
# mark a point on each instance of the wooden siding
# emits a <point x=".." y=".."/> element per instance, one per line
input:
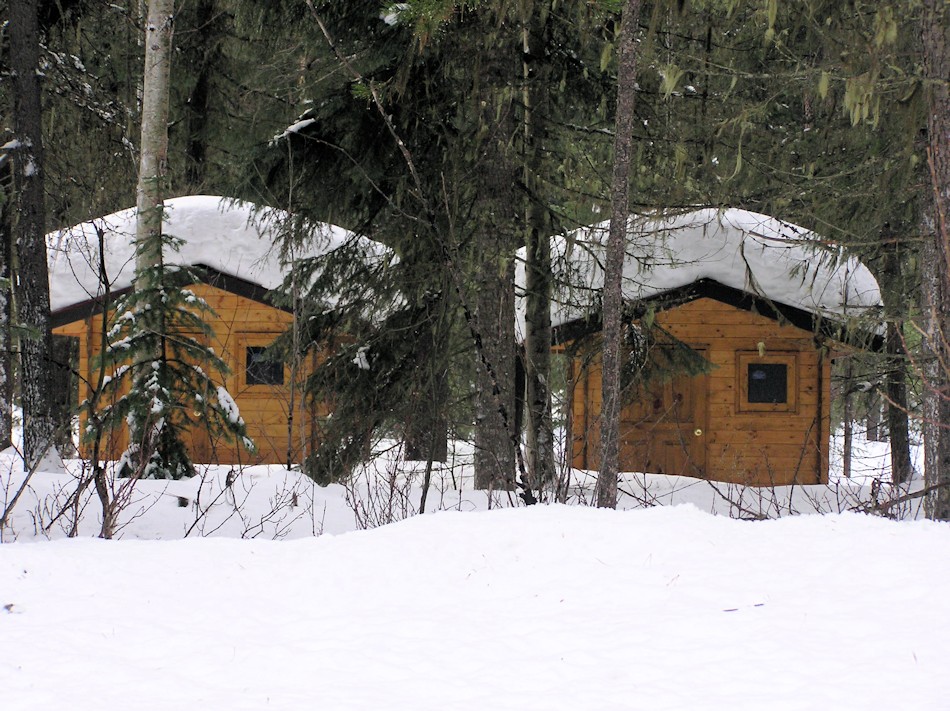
<point x="238" y="323"/>
<point x="702" y="426"/>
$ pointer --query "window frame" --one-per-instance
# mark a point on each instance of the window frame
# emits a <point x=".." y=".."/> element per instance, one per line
<point x="263" y="341"/>
<point x="746" y="358"/>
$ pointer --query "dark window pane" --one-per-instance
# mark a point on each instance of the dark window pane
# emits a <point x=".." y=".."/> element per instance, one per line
<point x="262" y="369"/>
<point x="768" y="382"/>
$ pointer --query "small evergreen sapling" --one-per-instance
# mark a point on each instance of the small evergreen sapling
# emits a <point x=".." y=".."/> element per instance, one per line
<point x="161" y="384"/>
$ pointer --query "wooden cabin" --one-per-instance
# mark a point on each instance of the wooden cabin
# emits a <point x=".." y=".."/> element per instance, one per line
<point x="760" y="314"/>
<point x="230" y="244"/>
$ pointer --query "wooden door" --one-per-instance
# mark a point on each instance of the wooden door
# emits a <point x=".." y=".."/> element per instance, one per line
<point x="664" y="430"/>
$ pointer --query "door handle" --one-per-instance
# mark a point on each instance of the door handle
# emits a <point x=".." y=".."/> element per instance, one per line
<point x="698" y="432"/>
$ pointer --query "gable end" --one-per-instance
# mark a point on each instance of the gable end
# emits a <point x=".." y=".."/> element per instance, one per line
<point x="206" y="275"/>
<point x="710" y="289"/>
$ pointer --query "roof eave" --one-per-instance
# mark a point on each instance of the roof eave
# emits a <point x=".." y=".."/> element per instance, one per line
<point x="817" y="324"/>
<point x="206" y="275"/>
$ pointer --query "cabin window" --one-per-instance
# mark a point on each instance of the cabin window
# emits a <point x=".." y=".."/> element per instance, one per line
<point x="263" y="368"/>
<point x="767" y="383"/>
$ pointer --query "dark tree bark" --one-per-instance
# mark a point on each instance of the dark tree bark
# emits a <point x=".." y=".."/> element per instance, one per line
<point x="935" y="403"/>
<point x="6" y="242"/>
<point x="199" y="104"/>
<point x="497" y="212"/>
<point x="427" y="430"/>
<point x="895" y="380"/>
<point x="495" y="397"/>
<point x="613" y="263"/>
<point x="875" y="431"/>
<point x="847" y="416"/>
<point x="539" y="436"/>
<point x="64" y="356"/>
<point x="935" y="34"/>
<point x="32" y="280"/>
<point x="896" y="386"/>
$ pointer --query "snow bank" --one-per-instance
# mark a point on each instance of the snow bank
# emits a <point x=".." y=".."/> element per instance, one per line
<point x="739" y="249"/>
<point x="544" y="608"/>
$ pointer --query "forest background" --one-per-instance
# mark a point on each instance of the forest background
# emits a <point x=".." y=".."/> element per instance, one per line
<point x="456" y="132"/>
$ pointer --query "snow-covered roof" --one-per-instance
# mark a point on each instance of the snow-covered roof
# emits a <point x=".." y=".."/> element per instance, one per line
<point x="743" y="250"/>
<point x="231" y="236"/>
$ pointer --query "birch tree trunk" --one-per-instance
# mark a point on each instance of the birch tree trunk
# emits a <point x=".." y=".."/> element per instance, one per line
<point x="32" y="279"/>
<point x="613" y="261"/>
<point x="935" y="33"/>
<point x="153" y="158"/>
<point x="145" y="425"/>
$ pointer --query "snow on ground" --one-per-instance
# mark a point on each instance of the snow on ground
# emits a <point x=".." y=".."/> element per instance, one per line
<point x="271" y="502"/>
<point x="552" y="607"/>
<point x="549" y="607"/>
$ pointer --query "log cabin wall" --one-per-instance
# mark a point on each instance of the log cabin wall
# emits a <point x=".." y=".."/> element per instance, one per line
<point x="735" y="424"/>
<point x="242" y="328"/>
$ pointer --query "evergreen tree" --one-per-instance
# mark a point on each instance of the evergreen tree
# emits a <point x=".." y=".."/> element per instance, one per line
<point x="368" y="187"/>
<point x="158" y="330"/>
<point x="92" y="64"/>
<point x="425" y="147"/>
<point x="163" y="373"/>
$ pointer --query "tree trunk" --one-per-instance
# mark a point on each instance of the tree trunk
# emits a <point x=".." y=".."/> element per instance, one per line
<point x="199" y="107"/>
<point x="895" y="380"/>
<point x="495" y="396"/>
<point x="539" y="450"/>
<point x="64" y="356"/>
<point x="497" y="214"/>
<point x="847" y="414"/>
<point x="153" y="158"/>
<point x="427" y="430"/>
<point x="935" y="403"/>
<point x="32" y="280"/>
<point x="153" y="155"/>
<point x="614" y="258"/>
<point x="149" y="431"/>
<point x="6" y="345"/>
<point x="872" y="404"/>
<point x="935" y="33"/>
<point x="896" y="384"/>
